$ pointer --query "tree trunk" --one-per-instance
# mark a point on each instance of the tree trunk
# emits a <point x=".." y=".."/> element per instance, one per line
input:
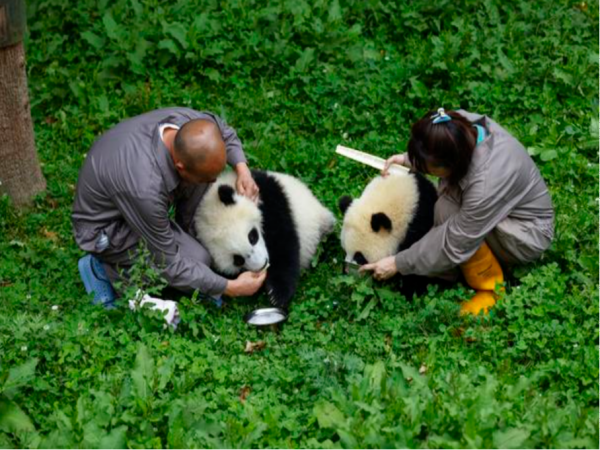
<point x="20" y="174"/>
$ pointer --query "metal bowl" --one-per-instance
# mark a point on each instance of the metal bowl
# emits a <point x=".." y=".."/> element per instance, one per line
<point x="266" y="316"/>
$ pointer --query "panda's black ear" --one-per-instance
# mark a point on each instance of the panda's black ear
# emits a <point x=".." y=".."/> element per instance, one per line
<point x="344" y="202"/>
<point x="226" y="193"/>
<point x="379" y="221"/>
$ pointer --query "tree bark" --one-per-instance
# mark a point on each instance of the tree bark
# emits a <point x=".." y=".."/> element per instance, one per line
<point x="20" y="174"/>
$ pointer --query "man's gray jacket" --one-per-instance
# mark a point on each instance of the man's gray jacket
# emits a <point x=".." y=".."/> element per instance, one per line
<point x="126" y="187"/>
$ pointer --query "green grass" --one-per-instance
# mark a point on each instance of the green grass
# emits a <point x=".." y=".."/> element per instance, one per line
<point x="356" y="365"/>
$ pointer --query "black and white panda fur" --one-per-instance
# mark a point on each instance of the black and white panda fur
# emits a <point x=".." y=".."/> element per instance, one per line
<point x="283" y="230"/>
<point x="391" y="214"/>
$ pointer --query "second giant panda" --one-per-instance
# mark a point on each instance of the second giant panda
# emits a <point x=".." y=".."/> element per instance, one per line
<point x="282" y="231"/>
<point x="391" y="214"/>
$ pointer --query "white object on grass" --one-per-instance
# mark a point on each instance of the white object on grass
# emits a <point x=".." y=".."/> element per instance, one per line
<point x="265" y="316"/>
<point x="352" y="268"/>
<point x="169" y="307"/>
<point x="370" y="160"/>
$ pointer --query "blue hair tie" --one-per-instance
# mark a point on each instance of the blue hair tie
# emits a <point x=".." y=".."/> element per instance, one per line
<point x="480" y="133"/>
<point x="441" y="116"/>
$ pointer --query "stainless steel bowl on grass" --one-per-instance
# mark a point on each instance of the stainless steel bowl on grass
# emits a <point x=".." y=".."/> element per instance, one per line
<point x="266" y="316"/>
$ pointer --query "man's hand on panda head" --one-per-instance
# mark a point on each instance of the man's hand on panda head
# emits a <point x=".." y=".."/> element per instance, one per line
<point x="246" y="284"/>
<point x="245" y="184"/>
<point x="383" y="269"/>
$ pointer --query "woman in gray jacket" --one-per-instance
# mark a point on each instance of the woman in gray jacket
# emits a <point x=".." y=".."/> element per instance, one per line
<point x="493" y="204"/>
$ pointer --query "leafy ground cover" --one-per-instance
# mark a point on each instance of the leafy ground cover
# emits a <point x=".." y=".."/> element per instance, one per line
<point x="357" y="365"/>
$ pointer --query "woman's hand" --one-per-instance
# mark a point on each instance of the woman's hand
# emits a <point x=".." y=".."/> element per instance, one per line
<point x="382" y="269"/>
<point x="245" y="184"/>
<point x="396" y="159"/>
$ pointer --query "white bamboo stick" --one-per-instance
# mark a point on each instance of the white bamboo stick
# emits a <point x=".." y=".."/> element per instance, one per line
<point x="370" y="160"/>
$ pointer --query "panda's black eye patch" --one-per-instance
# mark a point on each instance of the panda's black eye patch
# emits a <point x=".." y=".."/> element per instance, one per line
<point x="238" y="260"/>
<point x="226" y="194"/>
<point x="253" y="236"/>
<point x="379" y="221"/>
<point x="359" y="258"/>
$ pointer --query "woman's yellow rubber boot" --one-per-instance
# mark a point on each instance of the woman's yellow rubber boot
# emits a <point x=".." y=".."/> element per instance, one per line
<point x="482" y="272"/>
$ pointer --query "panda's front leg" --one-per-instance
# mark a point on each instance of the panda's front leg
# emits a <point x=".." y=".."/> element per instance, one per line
<point x="413" y="285"/>
<point x="281" y="285"/>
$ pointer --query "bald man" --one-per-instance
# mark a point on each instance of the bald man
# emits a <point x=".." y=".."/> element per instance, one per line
<point x="131" y="178"/>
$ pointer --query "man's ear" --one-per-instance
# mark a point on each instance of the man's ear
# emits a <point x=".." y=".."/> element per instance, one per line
<point x="179" y="165"/>
<point x="226" y="194"/>
<point x="344" y="202"/>
<point x="379" y="221"/>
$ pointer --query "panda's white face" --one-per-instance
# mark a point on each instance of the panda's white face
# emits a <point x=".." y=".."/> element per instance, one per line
<point x="376" y="223"/>
<point x="365" y="243"/>
<point x="230" y="227"/>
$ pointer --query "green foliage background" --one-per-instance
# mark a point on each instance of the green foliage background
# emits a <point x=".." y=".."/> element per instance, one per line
<point x="295" y="78"/>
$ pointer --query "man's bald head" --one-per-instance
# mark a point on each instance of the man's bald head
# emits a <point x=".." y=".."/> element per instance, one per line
<point x="200" y="147"/>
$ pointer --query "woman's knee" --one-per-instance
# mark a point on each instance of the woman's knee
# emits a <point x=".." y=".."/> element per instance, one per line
<point x="517" y="242"/>
<point x="445" y="207"/>
<point x="449" y="276"/>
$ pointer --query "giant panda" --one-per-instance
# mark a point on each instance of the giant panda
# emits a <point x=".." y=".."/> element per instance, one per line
<point x="281" y="232"/>
<point x="392" y="213"/>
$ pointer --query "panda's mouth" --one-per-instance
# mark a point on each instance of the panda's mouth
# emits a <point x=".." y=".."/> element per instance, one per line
<point x="255" y="267"/>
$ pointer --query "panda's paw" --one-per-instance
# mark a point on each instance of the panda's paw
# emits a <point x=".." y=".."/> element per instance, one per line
<point x="273" y="300"/>
<point x="279" y="293"/>
<point x="271" y="296"/>
<point x="276" y="302"/>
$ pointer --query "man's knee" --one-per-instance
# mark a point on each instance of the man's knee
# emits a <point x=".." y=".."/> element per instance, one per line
<point x="191" y="248"/>
<point x="199" y="253"/>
